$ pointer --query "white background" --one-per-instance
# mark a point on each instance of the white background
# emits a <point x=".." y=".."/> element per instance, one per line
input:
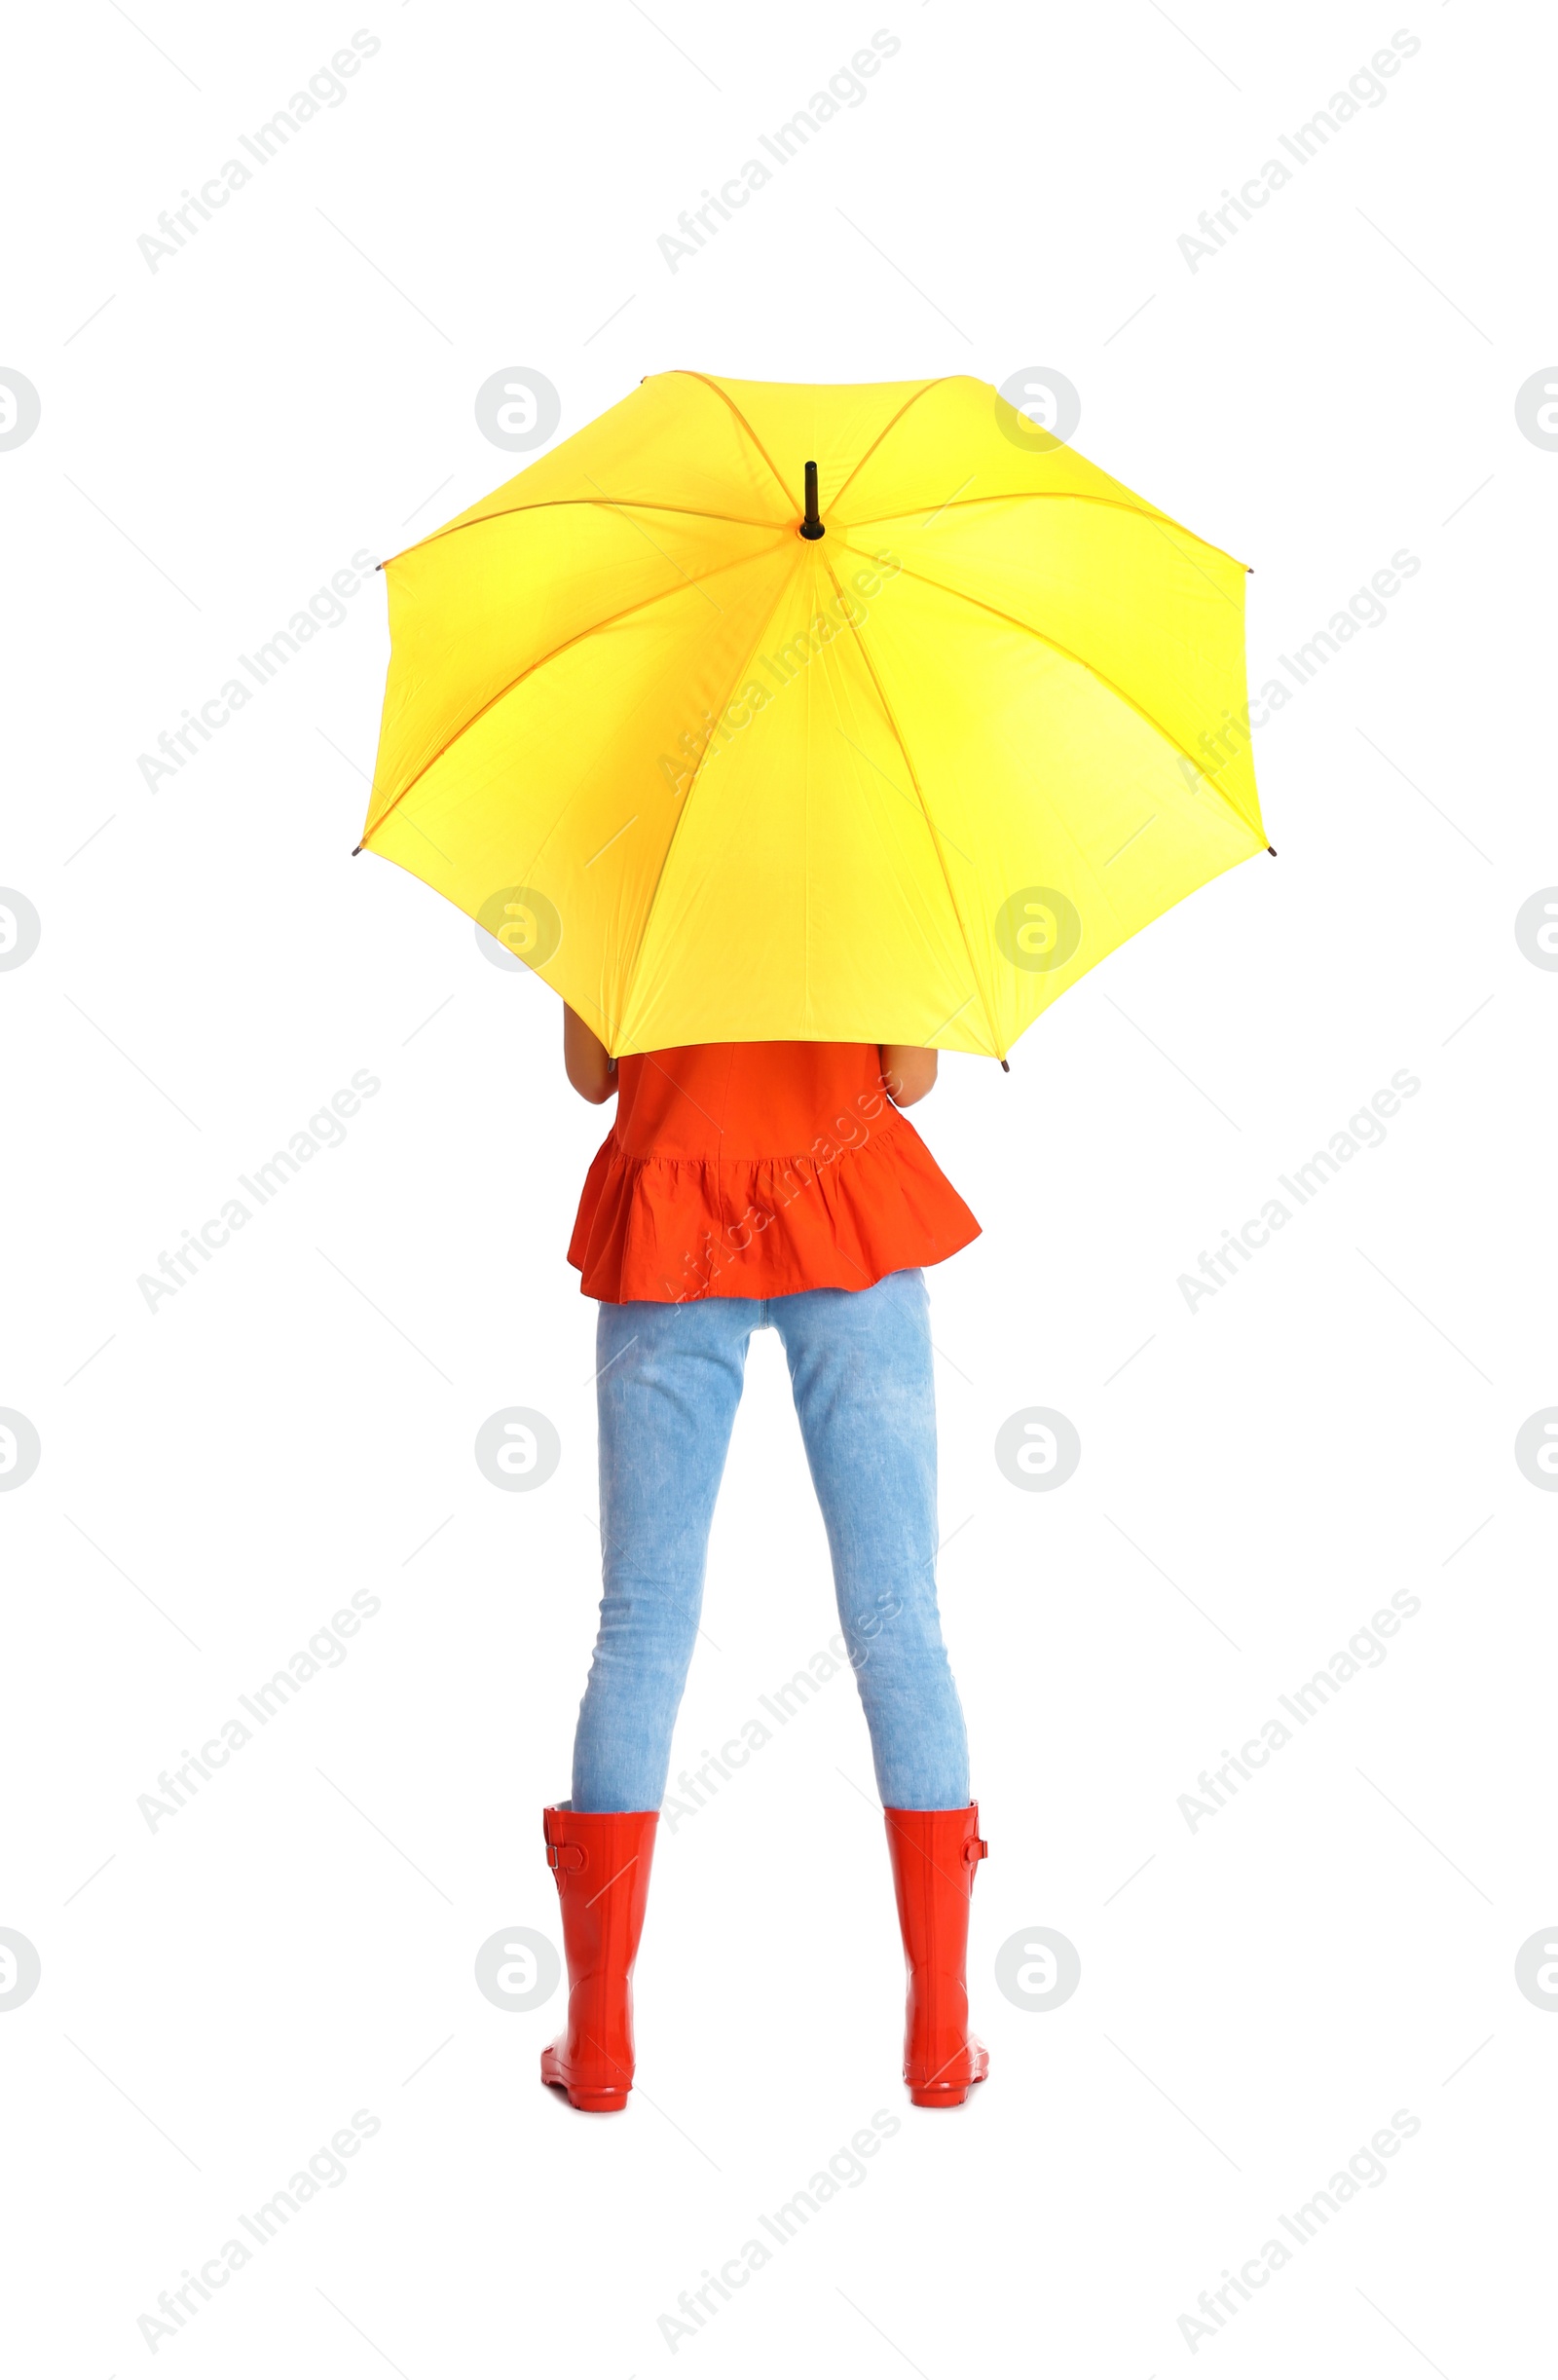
<point x="1258" y="1997"/>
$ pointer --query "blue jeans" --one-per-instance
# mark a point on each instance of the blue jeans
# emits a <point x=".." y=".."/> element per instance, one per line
<point x="669" y="1384"/>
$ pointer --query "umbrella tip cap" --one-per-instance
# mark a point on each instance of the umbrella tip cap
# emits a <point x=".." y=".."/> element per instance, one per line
<point x="1271" y="851"/>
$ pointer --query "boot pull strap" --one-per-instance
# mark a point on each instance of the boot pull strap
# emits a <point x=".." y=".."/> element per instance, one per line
<point x="562" y="1854"/>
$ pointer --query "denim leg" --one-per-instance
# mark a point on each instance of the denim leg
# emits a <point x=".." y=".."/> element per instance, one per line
<point x="668" y="1385"/>
<point x="860" y="1366"/>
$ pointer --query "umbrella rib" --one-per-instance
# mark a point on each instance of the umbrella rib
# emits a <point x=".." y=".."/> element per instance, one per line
<point x="697" y="774"/>
<point x="787" y="493"/>
<point x="887" y="711"/>
<point x="1065" y="651"/>
<point x="1070" y="496"/>
<point x="550" y="504"/>
<point x="922" y="390"/>
<point x="594" y="628"/>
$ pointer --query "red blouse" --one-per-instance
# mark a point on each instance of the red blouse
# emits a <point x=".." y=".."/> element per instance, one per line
<point x="754" y="1169"/>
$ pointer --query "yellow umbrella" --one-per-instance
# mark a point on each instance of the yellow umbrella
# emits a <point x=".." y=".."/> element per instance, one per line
<point x="898" y="764"/>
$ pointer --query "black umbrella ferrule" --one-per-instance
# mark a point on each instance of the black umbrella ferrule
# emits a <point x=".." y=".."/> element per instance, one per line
<point x="811" y="526"/>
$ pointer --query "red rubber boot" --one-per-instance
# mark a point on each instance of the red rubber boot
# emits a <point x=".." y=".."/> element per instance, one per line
<point x="934" y="1853"/>
<point x="602" y="1864"/>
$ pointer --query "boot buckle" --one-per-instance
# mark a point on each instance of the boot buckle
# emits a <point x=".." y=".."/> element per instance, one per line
<point x="568" y="1855"/>
<point x="973" y="1850"/>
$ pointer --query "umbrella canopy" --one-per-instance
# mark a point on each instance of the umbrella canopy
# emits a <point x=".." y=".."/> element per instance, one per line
<point x="900" y="770"/>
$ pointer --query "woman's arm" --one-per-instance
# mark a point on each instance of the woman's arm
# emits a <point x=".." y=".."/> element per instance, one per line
<point x="907" y="1073"/>
<point x="592" y="1073"/>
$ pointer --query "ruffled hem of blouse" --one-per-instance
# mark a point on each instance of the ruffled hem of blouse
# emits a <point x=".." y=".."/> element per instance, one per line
<point x="675" y="1229"/>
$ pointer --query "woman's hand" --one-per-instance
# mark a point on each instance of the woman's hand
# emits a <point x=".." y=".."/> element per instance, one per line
<point x="907" y="1073"/>
<point x="592" y="1073"/>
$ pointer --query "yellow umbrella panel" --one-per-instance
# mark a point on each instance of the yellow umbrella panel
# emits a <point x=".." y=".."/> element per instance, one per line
<point x="900" y="773"/>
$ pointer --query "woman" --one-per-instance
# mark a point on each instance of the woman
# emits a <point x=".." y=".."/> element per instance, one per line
<point x="744" y="1184"/>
